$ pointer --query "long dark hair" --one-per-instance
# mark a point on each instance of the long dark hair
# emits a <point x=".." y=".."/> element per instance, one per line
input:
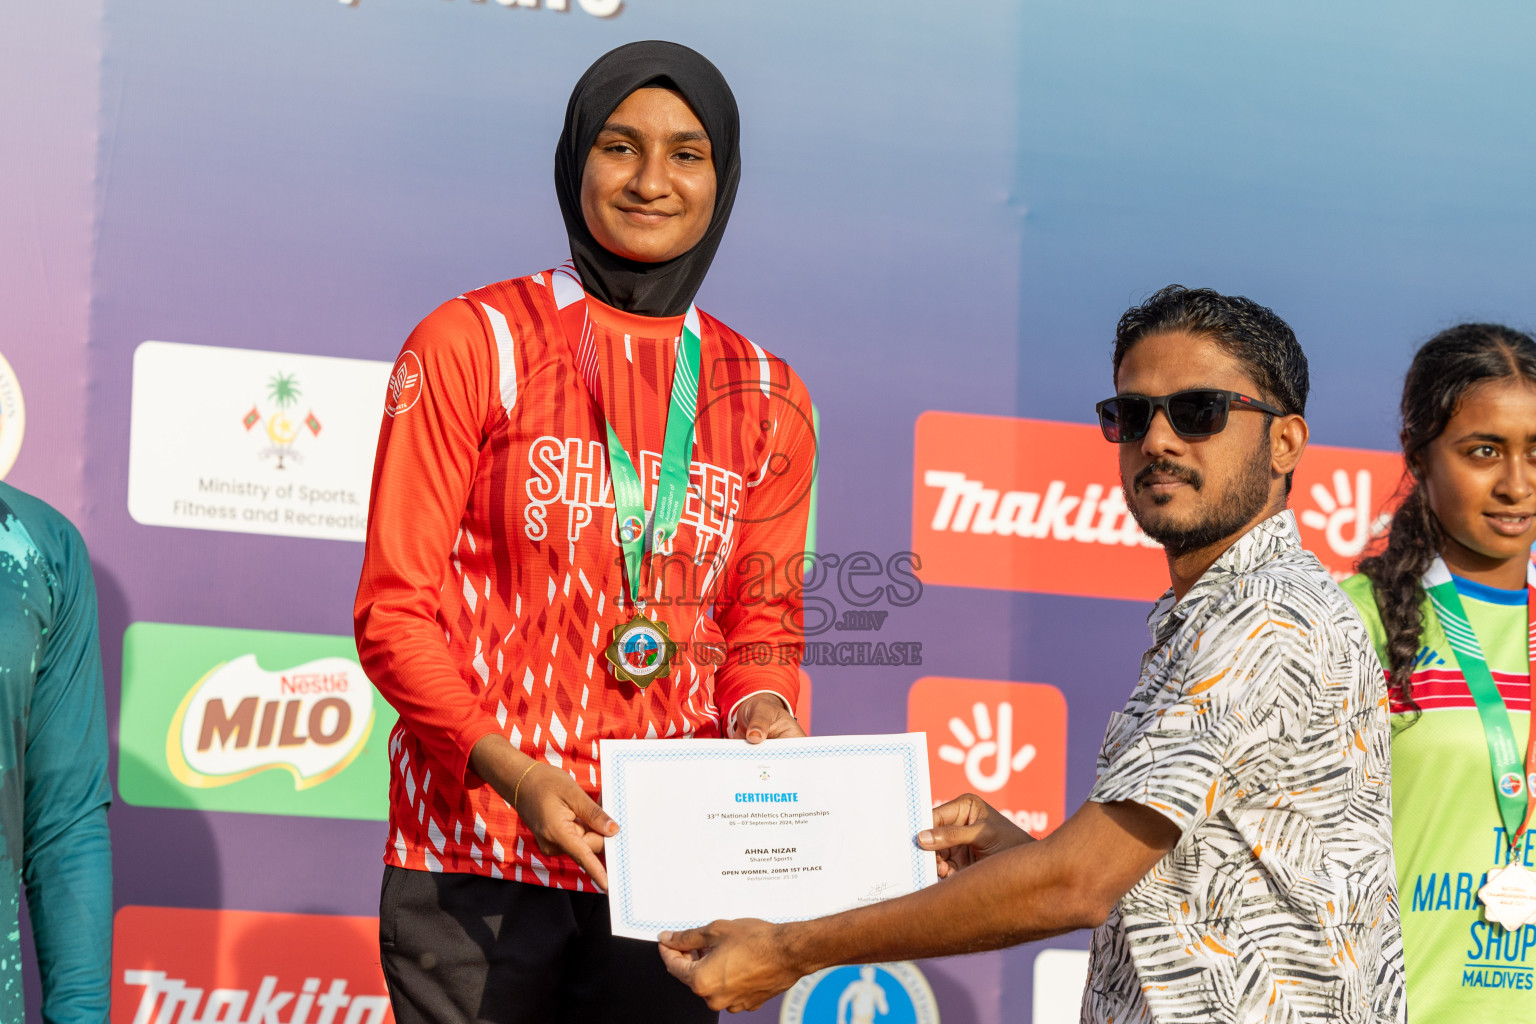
<point x="1449" y="364"/>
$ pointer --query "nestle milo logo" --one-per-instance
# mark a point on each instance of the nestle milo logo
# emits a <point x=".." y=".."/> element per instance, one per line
<point x="251" y="721"/>
<point x="311" y="720"/>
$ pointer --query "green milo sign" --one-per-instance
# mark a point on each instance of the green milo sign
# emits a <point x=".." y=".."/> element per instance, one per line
<point x="252" y="721"/>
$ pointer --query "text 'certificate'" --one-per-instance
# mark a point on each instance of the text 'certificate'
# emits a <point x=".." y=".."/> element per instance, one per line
<point x="784" y="830"/>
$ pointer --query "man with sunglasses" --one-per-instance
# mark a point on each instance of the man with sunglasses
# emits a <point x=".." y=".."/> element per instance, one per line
<point x="1234" y="856"/>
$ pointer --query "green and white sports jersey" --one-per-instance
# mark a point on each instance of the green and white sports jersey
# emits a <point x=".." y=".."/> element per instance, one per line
<point x="1447" y="833"/>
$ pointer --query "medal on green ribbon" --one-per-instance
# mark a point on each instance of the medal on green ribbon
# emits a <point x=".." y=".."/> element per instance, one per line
<point x="1509" y="896"/>
<point x="641" y="649"/>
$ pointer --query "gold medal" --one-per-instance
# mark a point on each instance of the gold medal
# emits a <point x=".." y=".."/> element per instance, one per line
<point x="641" y="651"/>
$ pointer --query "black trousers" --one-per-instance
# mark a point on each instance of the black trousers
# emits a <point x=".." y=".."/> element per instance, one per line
<point x="462" y="949"/>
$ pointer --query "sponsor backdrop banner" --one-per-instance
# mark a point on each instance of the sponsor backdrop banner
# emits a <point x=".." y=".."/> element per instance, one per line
<point x="226" y="218"/>
<point x="1006" y="742"/>
<point x="196" y="408"/>
<point x="1018" y="504"/>
<point x="245" y="720"/>
<point x="231" y="965"/>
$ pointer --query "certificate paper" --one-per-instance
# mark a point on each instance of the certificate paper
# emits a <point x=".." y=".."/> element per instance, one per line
<point x="783" y="830"/>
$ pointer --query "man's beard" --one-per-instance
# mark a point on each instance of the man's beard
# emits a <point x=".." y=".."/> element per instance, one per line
<point x="1236" y="509"/>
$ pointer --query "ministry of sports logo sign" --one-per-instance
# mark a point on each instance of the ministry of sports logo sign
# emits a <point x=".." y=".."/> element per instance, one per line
<point x="233" y="439"/>
<point x="1036" y="505"/>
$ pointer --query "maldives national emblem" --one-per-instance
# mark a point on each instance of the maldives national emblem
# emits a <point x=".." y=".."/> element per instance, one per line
<point x="282" y="429"/>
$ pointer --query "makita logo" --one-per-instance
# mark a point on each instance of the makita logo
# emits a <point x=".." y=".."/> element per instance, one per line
<point x="312" y="1002"/>
<point x="1020" y="504"/>
<point x="175" y="965"/>
<point x="1097" y="515"/>
<point x="1026" y="505"/>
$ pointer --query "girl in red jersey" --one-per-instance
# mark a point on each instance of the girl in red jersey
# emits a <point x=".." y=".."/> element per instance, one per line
<point x="587" y="501"/>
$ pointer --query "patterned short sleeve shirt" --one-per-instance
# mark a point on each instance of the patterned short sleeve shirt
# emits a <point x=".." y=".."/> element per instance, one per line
<point x="1259" y="727"/>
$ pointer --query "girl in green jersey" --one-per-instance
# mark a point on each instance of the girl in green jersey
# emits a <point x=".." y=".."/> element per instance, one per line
<point x="1459" y="555"/>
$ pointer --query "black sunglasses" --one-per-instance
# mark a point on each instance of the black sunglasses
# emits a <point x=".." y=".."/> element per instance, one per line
<point x="1199" y="412"/>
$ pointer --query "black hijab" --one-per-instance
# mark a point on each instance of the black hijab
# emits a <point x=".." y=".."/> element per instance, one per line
<point x="649" y="289"/>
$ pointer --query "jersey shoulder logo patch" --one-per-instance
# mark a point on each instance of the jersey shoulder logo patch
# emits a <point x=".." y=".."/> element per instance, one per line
<point x="404" y="384"/>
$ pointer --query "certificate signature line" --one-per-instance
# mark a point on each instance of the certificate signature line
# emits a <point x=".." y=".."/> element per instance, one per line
<point x="878" y="891"/>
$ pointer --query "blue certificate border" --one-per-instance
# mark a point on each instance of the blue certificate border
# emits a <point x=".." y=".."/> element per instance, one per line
<point x="615" y="801"/>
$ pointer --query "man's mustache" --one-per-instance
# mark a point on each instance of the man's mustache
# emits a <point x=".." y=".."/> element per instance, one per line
<point x="1167" y="469"/>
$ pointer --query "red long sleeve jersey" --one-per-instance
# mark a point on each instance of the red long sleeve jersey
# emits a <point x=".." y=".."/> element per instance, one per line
<point x="493" y="576"/>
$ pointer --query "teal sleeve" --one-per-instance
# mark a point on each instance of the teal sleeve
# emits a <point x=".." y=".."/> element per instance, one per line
<point x="68" y="855"/>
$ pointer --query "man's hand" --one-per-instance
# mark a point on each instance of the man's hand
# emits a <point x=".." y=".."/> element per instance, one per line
<point x="764" y="716"/>
<point x="559" y="813"/>
<point x="1025" y="891"/>
<point x="731" y="965"/>
<point x="967" y="829"/>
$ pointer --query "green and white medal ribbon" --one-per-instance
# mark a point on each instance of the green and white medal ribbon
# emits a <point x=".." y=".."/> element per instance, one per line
<point x="641" y="649"/>
<point x="1509" y="896"/>
<point x="676" y="455"/>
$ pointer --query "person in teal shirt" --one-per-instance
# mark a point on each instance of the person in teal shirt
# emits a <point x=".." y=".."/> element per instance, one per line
<point x="54" y="793"/>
